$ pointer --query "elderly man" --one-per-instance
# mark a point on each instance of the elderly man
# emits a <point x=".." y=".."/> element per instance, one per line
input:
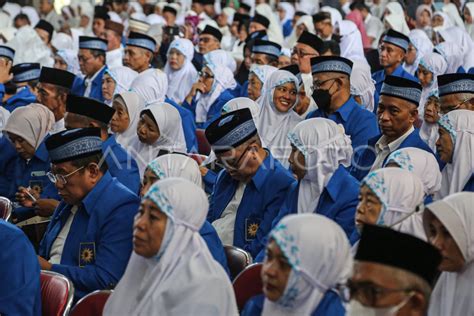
<point x="84" y="112"/>
<point x="92" y="62"/>
<point x="393" y="274"/>
<point x="265" y="53"/>
<point x="113" y="34"/>
<point x="139" y="51"/>
<point x="456" y="91"/>
<point x="209" y="39"/>
<point x="250" y="189"/>
<point x="89" y="239"/>
<point x="25" y="77"/>
<point x="397" y="111"/>
<point x="307" y="45"/>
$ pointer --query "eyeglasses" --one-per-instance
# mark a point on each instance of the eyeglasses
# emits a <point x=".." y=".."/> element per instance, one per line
<point x="205" y="75"/>
<point x="448" y="108"/>
<point x="301" y="53"/>
<point x="317" y="83"/>
<point x="233" y="165"/>
<point x="62" y="179"/>
<point x="205" y="39"/>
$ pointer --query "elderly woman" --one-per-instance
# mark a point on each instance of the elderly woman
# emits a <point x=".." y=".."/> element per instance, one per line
<point x="116" y="80"/>
<point x="455" y="147"/>
<point x="293" y="282"/>
<point x="449" y="225"/>
<point x="390" y="197"/>
<point x="124" y="122"/>
<point x="430" y="67"/>
<point x="181" y="166"/>
<point x="171" y="271"/>
<point x="420" y="45"/>
<point x="257" y="77"/>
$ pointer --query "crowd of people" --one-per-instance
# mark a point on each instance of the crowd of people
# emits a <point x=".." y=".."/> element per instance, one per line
<point x="332" y="141"/>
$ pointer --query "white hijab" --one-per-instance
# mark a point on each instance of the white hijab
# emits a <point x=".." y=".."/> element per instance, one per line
<point x="289" y="12"/>
<point x="31" y="122"/>
<point x="151" y="85"/>
<point x="133" y="103"/>
<point x="171" y="135"/>
<point x="436" y="64"/>
<point x="470" y="27"/>
<point x="452" y="11"/>
<point x="452" y="54"/>
<point x="69" y="56"/>
<point x="180" y="81"/>
<point x="423" y="46"/>
<point x="274" y="31"/>
<point x="336" y="16"/>
<point x="299" y="238"/>
<point x="452" y="294"/>
<point x="460" y="37"/>
<point x="400" y="192"/>
<point x="398" y="23"/>
<point x="325" y="147"/>
<point x="307" y="20"/>
<point x="447" y="22"/>
<point x="362" y="84"/>
<point x="221" y="57"/>
<point x="460" y="125"/>
<point x="273" y="125"/>
<point x="351" y="41"/>
<point x="176" y="166"/>
<point x="421" y="163"/>
<point x="262" y="72"/>
<point x="182" y="278"/>
<point x="123" y="77"/>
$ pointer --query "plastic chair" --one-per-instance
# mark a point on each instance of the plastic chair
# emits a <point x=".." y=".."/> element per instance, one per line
<point x="198" y="158"/>
<point x="57" y="293"/>
<point x="237" y="260"/>
<point x="204" y="148"/>
<point x="92" y="304"/>
<point x="248" y="284"/>
<point x="6" y="208"/>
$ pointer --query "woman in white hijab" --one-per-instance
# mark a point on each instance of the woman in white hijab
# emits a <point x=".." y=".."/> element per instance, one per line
<point x="468" y="18"/>
<point x="124" y="122"/>
<point x="441" y="20"/>
<point x="179" y="69"/>
<point x="302" y="285"/>
<point x="460" y="37"/>
<point x="304" y="23"/>
<point x="220" y="57"/>
<point x="397" y="22"/>
<point x="159" y="130"/>
<point x="286" y="11"/>
<point x="171" y="271"/>
<point x="420" y="45"/>
<point x="336" y="16"/>
<point x="116" y="80"/>
<point x="274" y="31"/>
<point x="455" y="147"/>
<point x="453" y="56"/>
<point x="430" y="67"/>
<point x="449" y="225"/>
<point x="351" y="41"/>
<point x="86" y="11"/>
<point x="276" y="116"/>
<point x="452" y="11"/>
<point x="151" y="85"/>
<point x="362" y="84"/>
<point x="257" y="77"/>
<point x="67" y="60"/>
<point x="421" y="163"/>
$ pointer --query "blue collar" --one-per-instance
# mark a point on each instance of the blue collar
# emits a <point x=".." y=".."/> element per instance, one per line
<point x="42" y="153"/>
<point x="109" y="142"/>
<point x="262" y="172"/>
<point x="398" y="71"/>
<point x="92" y="198"/>
<point x="346" y="109"/>
<point x="23" y="94"/>
<point x="335" y="183"/>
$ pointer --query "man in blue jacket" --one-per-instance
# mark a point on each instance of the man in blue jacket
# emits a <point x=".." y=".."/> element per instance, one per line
<point x="250" y="189"/>
<point x="396" y="113"/>
<point x="25" y="77"/>
<point x="89" y="238"/>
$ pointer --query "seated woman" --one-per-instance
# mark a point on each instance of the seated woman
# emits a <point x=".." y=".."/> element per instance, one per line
<point x="179" y="69"/>
<point x="430" y="67"/>
<point x="429" y="127"/>
<point x="277" y="117"/>
<point x="159" y="131"/>
<point x="125" y="119"/>
<point x="319" y="157"/>
<point x="171" y="271"/>
<point x="209" y="94"/>
<point x="294" y="283"/>
<point x="181" y="166"/>
<point x="455" y="148"/>
<point x="26" y="128"/>
<point x="421" y="163"/>
<point x="449" y="225"/>
<point x="257" y="77"/>
<point x="66" y="59"/>
<point x="390" y="197"/>
<point x="116" y="80"/>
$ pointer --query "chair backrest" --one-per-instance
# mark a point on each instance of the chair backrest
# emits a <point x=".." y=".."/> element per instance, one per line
<point x="204" y="148"/>
<point x="237" y="260"/>
<point x="248" y="284"/>
<point x="6" y="208"/>
<point x="92" y="304"/>
<point x="57" y="293"/>
<point x="198" y="158"/>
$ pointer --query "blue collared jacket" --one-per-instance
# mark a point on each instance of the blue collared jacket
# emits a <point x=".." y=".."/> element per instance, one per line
<point x="209" y="234"/>
<point x="260" y="203"/>
<point x="366" y="158"/>
<point x="189" y="126"/>
<point x="21" y="98"/>
<point x="379" y="77"/>
<point x="7" y="169"/>
<point x="359" y="124"/>
<point x="99" y="242"/>
<point x="96" y="89"/>
<point x="20" y="287"/>
<point x="121" y="164"/>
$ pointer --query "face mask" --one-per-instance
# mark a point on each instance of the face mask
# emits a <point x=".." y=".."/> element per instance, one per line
<point x="355" y="308"/>
<point x="322" y="99"/>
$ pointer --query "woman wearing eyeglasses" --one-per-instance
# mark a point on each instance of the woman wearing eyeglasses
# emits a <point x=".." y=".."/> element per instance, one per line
<point x="209" y="94"/>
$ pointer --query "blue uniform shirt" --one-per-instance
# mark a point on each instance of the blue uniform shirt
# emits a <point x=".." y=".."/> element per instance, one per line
<point x="7" y="169"/>
<point x="20" y="286"/>
<point x="21" y="98"/>
<point x="79" y="88"/>
<point x="189" y="126"/>
<point x="379" y="77"/>
<point x="209" y="234"/>
<point x="260" y="203"/>
<point x="99" y="242"/>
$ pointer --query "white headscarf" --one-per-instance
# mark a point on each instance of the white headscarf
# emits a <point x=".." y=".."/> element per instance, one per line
<point x="151" y="85"/>
<point x="397" y="22"/>
<point x="447" y="22"/>
<point x="325" y="147"/>
<point x="262" y="72"/>
<point x="351" y="41"/>
<point x="421" y="163"/>
<point x="274" y="31"/>
<point x="62" y="41"/>
<point x="362" y="84"/>
<point x="452" y="54"/>
<point x="423" y="46"/>
<point x="299" y="238"/>
<point x="336" y="16"/>
<point x="180" y="81"/>
<point x="289" y="12"/>
<point x="470" y="27"/>
<point x="123" y="77"/>
<point x="307" y="20"/>
<point x="171" y="135"/>
<point x="69" y="56"/>
<point x="4" y="115"/>
<point x="31" y="122"/>
<point x="460" y="125"/>
<point x="133" y="103"/>
<point x="182" y="278"/>
<point x="220" y="57"/>
<point x="400" y="192"/>
<point x="176" y="166"/>
<point x="452" y="11"/>
<point x="395" y="8"/>
<point x="87" y="9"/>
<point x="460" y="37"/>
<point x="273" y="125"/>
<point x="223" y="79"/>
<point x="452" y="294"/>
<point x="31" y="13"/>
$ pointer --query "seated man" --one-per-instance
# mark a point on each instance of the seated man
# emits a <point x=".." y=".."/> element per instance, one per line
<point x="89" y="239"/>
<point x="83" y="112"/>
<point x="25" y="77"/>
<point x="392" y="272"/>
<point x="397" y="112"/>
<point x="250" y="189"/>
<point x="456" y="92"/>
<point x="139" y="51"/>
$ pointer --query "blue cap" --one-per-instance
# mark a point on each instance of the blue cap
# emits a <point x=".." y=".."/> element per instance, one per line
<point x="455" y="83"/>
<point x="89" y="42"/>
<point x="331" y="64"/>
<point x="26" y="72"/>
<point x="266" y="47"/>
<point x="402" y="88"/>
<point x="142" y="41"/>
<point x="7" y="52"/>
<point x="397" y="39"/>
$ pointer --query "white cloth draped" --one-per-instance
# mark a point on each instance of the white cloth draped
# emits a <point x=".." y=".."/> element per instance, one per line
<point x="452" y="54"/>
<point x="69" y="56"/>
<point x="176" y="166"/>
<point x="133" y="103"/>
<point x="452" y="11"/>
<point x="307" y="20"/>
<point x="221" y="57"/>
<point x="470" y="27"/>
<point x="423" y="46"/>
<point x="351" y="41"/>
<point x="123" y="77"/>
<point x="460" y="37"/>
<point x="151" y="85"/>
<point x="362" y="83"/>
<point x="274" y="31"/>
